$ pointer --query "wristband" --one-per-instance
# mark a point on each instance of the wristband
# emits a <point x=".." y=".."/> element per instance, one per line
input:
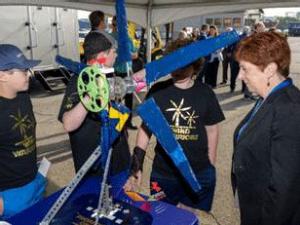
<point x="137" y="160"/>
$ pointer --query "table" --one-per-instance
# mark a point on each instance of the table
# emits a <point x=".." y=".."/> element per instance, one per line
<point x="161" y="212"/>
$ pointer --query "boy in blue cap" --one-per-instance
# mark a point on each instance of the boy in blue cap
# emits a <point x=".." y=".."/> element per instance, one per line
<point x="21" y="185"/>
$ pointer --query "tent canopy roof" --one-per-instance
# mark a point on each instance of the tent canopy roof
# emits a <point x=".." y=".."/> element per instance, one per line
<point x="161" y="11"/>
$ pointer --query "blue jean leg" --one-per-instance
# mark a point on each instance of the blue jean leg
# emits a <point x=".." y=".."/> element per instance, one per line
<point x="178" y="190"/>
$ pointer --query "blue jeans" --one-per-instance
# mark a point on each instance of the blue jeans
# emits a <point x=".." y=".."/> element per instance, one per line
<point x="178" y="191"/>
<point x="16" y="200"/>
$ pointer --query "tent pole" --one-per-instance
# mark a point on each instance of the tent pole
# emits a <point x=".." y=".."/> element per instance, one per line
<point x="149" y="30"/>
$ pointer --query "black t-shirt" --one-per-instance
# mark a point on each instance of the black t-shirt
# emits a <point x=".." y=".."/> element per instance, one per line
<point x="187" y="111"/>
<point x="17" y="142"/>
<point x="86" y="138"/>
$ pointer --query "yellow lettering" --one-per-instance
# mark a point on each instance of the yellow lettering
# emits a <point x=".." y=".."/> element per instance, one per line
<point x="23" y="152"/>
<point x="184" y="137"/>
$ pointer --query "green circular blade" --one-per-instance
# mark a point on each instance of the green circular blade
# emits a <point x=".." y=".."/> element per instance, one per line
<point x="93" y="83"/>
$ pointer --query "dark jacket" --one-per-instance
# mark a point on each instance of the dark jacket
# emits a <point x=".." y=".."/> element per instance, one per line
<point x="266" y="162"/>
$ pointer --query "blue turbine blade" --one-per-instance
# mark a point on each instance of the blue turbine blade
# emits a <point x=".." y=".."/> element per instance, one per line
<point x="71" y="65"/>
<point x="156" y="122"/>
<point x="124" y="54"/>
<point x="186" y="55"/>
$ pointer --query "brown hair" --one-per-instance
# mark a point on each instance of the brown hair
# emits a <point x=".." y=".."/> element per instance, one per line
<point x="264" y="48"/>
<point x="215" y="28"/>
<point x="179" y="44"/>
<point x="96" y="17"/>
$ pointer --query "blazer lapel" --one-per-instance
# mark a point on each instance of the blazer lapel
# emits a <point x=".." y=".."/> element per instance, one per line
<point x="260" y="114"/>
<point x="265" y="107"/>
<point x="237" y="129"/>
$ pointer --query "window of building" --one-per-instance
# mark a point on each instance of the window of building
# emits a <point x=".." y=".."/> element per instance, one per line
<point x="209" y="21"/>
<point x="218" y="22"/>
<point x="227" y="22"/>
<point x="237" y="22"/>
<point x="249" y="22"/>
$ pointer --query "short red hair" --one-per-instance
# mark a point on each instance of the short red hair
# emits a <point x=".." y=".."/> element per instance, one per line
<point x="263" y="48"/>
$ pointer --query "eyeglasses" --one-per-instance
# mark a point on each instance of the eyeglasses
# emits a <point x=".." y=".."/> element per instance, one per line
<point x="25" y="71"/>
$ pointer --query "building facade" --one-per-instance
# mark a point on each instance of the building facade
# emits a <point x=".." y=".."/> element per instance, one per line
<point x="236" y="20"/>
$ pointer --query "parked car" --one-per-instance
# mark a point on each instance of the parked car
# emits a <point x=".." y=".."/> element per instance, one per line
<point x="294" y="29"/>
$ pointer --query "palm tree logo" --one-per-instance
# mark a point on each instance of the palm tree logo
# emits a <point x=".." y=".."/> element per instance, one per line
<point x="191" y="118"/>
<point x="23" y="123"/>
<point x="178" y="111"/>
<point x="70" y="100"/>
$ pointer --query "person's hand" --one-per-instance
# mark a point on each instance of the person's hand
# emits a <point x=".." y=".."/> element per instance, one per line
<point x="212" y="160"/>
<point x="140" y="86"/>
<point x="85" y="102"/>
<point x="139" y="76"/>
<point x="134" y="182"/>
<point x="86" y="98"/>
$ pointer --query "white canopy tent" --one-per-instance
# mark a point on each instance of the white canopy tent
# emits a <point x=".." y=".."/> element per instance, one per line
<point x="156" y="12"/>
<point x="149" y="13"/>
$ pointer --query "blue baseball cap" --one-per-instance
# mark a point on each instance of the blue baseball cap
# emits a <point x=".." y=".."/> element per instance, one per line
<point x="11" y="57"/>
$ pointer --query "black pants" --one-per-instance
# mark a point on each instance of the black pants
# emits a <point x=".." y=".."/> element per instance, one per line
<point x="225" y="64"/>
<point x="211" y="73"/>
<point x="202" y="72"/>
<point x="234" y="71"/>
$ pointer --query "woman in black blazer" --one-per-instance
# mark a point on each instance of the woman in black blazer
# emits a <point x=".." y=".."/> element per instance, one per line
<point x="266" y="158"/>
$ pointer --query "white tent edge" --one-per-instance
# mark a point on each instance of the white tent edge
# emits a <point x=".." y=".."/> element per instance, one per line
<point x="154" y="15"/>
<point x="150" y="13"/>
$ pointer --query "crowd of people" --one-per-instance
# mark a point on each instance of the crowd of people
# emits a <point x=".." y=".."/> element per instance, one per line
<point x="225" y="56"/>
<point x="266" y="155"/>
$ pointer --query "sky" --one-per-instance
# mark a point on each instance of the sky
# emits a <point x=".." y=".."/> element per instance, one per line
<point x="279" y="11"/>
<point x="83" y="14"/>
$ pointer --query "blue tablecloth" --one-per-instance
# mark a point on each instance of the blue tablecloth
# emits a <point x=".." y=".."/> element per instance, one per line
<point x="162" y="213"/>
